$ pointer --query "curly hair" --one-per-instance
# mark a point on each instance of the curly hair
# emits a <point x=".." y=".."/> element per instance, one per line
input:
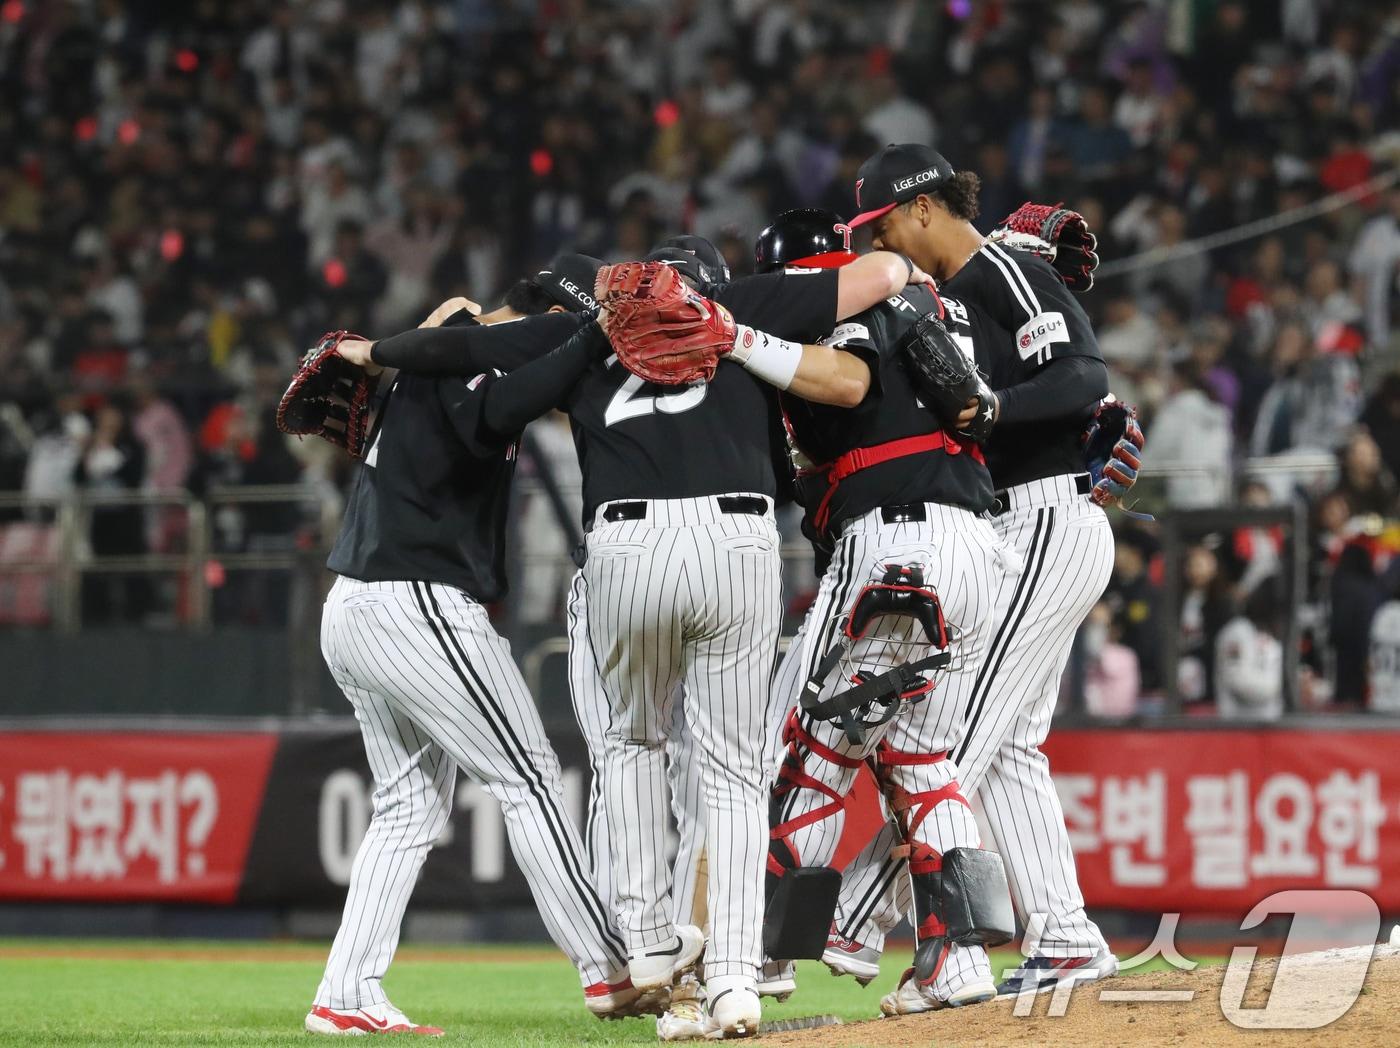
<point x="958" y="195"/>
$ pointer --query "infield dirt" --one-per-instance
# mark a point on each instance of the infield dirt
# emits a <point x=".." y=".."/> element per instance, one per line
<point x="1372" y="1020"/>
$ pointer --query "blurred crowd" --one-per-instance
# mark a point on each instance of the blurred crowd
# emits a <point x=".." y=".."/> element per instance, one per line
<point x="190" y="193"/>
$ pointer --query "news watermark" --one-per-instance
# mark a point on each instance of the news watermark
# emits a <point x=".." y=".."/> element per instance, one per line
<point x="1320" y="973"/>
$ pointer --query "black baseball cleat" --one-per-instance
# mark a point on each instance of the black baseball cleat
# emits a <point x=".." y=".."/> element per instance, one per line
<point x="1039" y="974"/>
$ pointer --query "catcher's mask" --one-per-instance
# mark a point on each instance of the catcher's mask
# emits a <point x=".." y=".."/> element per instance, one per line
<point x="875" y="696"/>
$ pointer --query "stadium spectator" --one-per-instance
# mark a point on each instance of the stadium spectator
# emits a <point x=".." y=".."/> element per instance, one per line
<point x="112" y="461"/>
<point x="1365" y="483"/>
<point x="1249" y="661"/>
<point x="1136" y="602"/>
<point x="1206" y="606"/>
<point x="1381" y="417"/>
<point x="1112" y="680"/>
<point x="1191" y="440"/>
<point x="185" y="200"/>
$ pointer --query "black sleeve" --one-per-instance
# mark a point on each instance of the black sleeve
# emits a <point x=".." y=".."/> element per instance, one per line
<point x="489" y="411"/>
<point x="855" y="336"/>
<point x="1063" y="387"/>
<point x="473" y="349"/>
<point x="464" y="400"/>
<point x="1022" y="294"/>
<point x="797" y="306"/>
<point x="534" y="388"/>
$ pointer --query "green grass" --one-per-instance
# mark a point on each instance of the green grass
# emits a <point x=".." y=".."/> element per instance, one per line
<point x="258" y="994"/>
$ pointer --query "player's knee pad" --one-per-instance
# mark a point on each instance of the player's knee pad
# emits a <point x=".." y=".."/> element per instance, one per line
<point x="884" y="667"/>
<point x="965" y="900"/>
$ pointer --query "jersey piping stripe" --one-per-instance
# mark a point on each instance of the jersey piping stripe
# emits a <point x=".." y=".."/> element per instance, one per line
<point x="1016" y="613"/>
<point x="595" y="784"/>
<point x="1015" y="288"/>
<point x="500" y="727"/>
<point x="1017" y="276"/>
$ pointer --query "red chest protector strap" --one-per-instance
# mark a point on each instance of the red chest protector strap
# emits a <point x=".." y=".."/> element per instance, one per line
<point x="858" y="459"/>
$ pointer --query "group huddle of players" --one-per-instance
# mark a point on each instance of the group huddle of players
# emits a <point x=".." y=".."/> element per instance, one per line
<point x="938" y="409"/>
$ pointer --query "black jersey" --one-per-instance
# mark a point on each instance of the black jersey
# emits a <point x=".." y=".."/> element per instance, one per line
<point x="891" y="411"/>
<point x="429" y="500"/>
<point x="637" y="440"/>
<point x="1033" y="319"/>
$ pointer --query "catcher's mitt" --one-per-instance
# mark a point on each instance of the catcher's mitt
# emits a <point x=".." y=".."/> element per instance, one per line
<point x="661" y="329"/>
<point x="946" y="377"/>
<point x="1113" y="444"/>
<point x="328" y="397"/>
<point x="1056" y="234"/>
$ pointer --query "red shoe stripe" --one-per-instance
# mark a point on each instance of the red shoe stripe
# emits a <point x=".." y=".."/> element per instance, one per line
<point x="1063" y="964"/>
<point x="361" y="1021"/>
<point x="602" y="989"/>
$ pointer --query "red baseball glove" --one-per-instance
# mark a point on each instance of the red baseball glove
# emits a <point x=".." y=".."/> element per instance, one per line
<point x="1056" y="234"/>
<point x="328" y="397"/>
<point x="660" y="327"/>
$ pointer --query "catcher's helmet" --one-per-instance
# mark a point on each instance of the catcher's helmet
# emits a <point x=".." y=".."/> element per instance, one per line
<point x="807" y="237"/>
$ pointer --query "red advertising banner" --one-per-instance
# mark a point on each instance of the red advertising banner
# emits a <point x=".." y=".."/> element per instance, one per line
<point x="1214" y="821"/>
<point x="128" y="816"/>
<point x="1198" y="821"/>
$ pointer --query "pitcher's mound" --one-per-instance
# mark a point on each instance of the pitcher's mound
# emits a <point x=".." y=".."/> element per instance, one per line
<point x="1318" y="984"/>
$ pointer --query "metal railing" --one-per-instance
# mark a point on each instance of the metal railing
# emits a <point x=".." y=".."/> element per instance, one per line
<point x="72" y="516"/>
<point x="69" y="562"/>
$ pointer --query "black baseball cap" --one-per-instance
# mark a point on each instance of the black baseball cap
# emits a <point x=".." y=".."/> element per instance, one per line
<point x="896" y="175"/>
<point x="684" y="263"/>
<point x="569" y="280"/>
<point x="710" y="256"/>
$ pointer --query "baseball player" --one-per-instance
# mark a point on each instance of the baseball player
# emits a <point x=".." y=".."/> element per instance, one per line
<point x="898" y="498"/>
<point x="408" y="641"/>
<point x="1048" y="376"/>
<point x="641" y="477"/>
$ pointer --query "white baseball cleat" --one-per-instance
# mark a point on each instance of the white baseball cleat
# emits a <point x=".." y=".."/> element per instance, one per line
<point x="733" y="1009"/>
<point x="777" y="979"/>
<point x="848" y="957"/>
<point x="909" y="998"/>
<point x="356" y="1022"/>
<point x="684" y="1022"/>
<point x="1038" y="974"/>
<point x="619" y="999"/>
<point x="661" y="966"/>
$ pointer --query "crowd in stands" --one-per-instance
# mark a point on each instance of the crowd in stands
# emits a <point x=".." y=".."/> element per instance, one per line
<point x="190" y="192"/>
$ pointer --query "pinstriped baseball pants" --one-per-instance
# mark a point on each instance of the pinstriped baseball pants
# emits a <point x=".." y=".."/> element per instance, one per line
<point x="1067" y="545"/>
<point x="435" y="689"/>
<point x="683" y="606"/>
<point x="963" y="563"/>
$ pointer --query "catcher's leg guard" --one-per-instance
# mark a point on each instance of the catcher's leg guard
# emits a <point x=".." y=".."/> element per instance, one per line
<point x="801" y="898"/>
<point x="961" y="895"/>
<point x="965" y="901"/>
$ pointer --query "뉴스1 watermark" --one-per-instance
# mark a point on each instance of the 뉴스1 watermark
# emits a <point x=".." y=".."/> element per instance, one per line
<point x="1310" y="989"/>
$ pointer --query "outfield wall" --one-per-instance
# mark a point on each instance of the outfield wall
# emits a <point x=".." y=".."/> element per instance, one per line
<point x="1201" y="821"/>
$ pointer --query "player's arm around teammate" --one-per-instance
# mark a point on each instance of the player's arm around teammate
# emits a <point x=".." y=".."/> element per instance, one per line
<point x="1037" y="347"/>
